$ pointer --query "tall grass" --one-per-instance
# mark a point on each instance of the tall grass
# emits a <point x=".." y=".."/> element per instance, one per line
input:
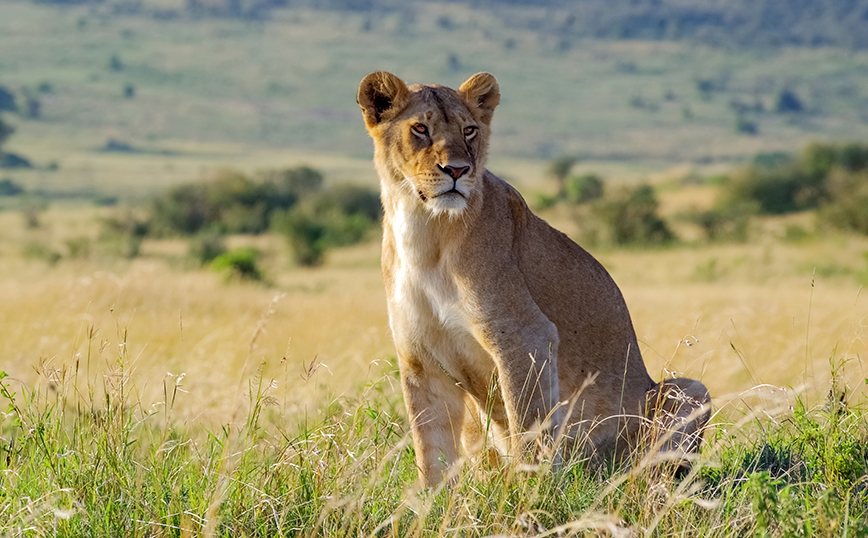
<point x="84" y="454"/>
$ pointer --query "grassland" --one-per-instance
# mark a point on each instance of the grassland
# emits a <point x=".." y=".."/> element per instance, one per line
<point x="151" y="397"/>
<point x="156" y="399"/>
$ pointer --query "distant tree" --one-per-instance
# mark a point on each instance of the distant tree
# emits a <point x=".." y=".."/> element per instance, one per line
<point x="559" y="169"/>
<point x="631" y="218"/>
<point x="584" y="188"/>
<point x="788" y="101"/>
<point x="7" y="100"/>
<point x="34" y="108"/>
<point x="129" y="91"/>
<point x="5" y="131"/>
<point x="115" y="63"/>
<point x="10" y="188"/>
<point x="453" y="62"/>
<point x="745" y="126"/>
<point x="445" y="23"/>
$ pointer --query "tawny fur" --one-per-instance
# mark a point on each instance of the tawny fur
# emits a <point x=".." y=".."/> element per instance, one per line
<point x="494" y="312"/>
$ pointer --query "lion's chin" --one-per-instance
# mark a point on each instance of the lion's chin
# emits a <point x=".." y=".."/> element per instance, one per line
<point x="452" y="203"/>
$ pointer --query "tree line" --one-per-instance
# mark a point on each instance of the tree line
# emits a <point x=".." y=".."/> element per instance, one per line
<point x="736" y="23"/>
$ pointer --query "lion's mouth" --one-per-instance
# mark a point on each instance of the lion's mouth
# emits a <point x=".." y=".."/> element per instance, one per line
<point x="453" y="190"/>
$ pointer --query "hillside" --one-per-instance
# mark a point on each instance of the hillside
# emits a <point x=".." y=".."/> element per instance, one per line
<point x="154" y="77"/>
<point x="739" y="24"/>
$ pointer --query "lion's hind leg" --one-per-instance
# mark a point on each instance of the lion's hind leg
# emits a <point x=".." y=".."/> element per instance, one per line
<point x="678" y="410"/>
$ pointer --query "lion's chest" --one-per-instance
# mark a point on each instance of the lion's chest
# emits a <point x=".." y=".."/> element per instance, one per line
<point x="427" y="307"/>
<point x="423" y="289"/>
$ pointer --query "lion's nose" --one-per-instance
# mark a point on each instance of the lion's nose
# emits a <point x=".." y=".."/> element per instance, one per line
<point x="455" y="171"/>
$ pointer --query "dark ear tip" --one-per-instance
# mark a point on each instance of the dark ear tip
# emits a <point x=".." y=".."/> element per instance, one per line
<point x="378" y="92"/>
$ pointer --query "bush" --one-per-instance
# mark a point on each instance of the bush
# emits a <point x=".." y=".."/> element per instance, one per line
<point x="124" y="232"/>
<point x="584" y="188"/>
<point x="79" y="247"/>
<point x="239" y="263"/>
<point x="559" y="168"/>
<point x="10" y="188"/>
<point x="6" y="131"/>
<point x="788" y="101"/>
<point x="745" y="126"/>
<point x="292" y="202"/>
<point x="776" y="191"/>
<point x="848" y="201"/>
<point x="7" y="100"/>
<point x="13" y="160"/>
<point x="305" y="234"/>
<point x="182" y="209"/>
<point x="729" y="222"/>
<point x="41" y="251"/>
<point x="232" y="202"/>
<point x="294" y="183"/>
<point x="349" y="199"/>
<point x="777" y="184"/>
<point x="206" y="247"/>
<point x="340" y="216"/>
<point x="630" y="218"/>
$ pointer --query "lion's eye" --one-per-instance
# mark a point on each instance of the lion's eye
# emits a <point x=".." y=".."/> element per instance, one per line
<point x="420" y="128"/>
<point x="470" y="131"/>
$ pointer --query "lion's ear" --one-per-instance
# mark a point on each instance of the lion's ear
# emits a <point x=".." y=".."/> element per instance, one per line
<point x="482" y="93"/>
<point x="379" y="94"/>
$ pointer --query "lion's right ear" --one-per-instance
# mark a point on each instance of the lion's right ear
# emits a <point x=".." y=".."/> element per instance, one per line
<point x="381" y="94"/>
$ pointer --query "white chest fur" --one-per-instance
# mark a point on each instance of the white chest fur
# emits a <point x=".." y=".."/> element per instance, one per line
<point x="424" y="289"/>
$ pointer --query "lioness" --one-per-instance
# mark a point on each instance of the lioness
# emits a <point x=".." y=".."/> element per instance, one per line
<point x="493" y="311"/>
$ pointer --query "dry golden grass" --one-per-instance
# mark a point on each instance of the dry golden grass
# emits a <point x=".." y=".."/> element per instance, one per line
<point x="734" y="316"/>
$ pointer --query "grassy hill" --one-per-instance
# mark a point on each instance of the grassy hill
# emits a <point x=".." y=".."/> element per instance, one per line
<point x="158" y="80"/>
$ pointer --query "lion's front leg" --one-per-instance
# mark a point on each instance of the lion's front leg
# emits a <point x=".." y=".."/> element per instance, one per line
<point x="435" y="406"/>
<point x="527" y="368"/>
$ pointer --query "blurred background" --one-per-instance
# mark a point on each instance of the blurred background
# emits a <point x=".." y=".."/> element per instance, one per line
<point x="178" y="176"/>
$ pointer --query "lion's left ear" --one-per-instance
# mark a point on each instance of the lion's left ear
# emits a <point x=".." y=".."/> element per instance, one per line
<point x="381" y="95"/>
<point x="482" y="94"/>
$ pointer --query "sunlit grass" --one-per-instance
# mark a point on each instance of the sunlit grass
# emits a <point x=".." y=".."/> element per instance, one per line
<point x="153" y="398"/>
<point x="89" y="454"/>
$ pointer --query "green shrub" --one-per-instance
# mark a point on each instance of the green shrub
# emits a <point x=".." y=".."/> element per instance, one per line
<point x="831" y="176"/>
<point x="630" y="217"/>
<point x="40" y="251"/>
<point x="788" y="101"/>
<point x="584" y="188"/>
<point x="340" y="216"/>
<point x="6" y="131"/>
<point x="305" y="234"/>
<point x="545" y="201"/>
<point x="10" y="188"/>
<point x="847" y="207"/>
<point x="205" y="247"/>
<point x="746" y="126"/>
<point x="776" y="190"/>
<point x="232" y="202"/>
<point x="122" y="233"/>
<point x="729" y="222"/>
<point x="79" y="247"/>
<point x="294" y="183"/>
<point x="182" y="209"/>
<point x="559" y="169"/>
<point x="352" y="200"/>
<point x="239" y="263"/>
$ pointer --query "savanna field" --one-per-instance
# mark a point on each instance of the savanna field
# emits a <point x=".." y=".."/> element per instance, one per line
<point x="193" y="329"/>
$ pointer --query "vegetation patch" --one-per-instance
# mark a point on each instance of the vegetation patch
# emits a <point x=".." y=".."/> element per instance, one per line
<point x="89" y="458"/>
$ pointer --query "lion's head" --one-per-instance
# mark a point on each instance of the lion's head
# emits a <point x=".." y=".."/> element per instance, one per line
<point x="432" y="140"/>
